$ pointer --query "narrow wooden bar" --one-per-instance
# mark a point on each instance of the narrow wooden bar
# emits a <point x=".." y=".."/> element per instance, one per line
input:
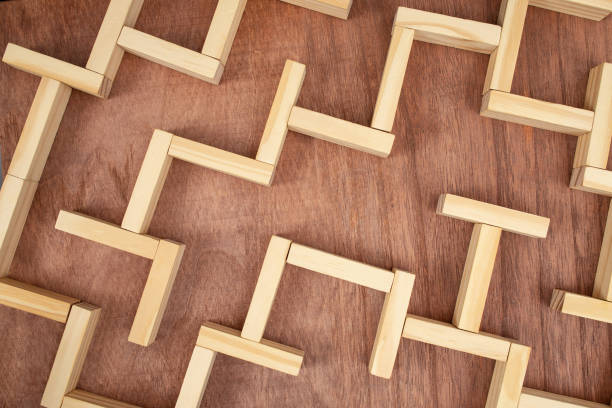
<point x="196" y="378"/>
<point x="508" y="377"/>
<point x="83" y="399"/>
<point x="592" y="9"/>
<point x="602" y="289"/>
<point x="334" y="8"/>
<point x="592" y="180"/>
<point x="223" y="28"/>
<point x="531" y="398"/>
<point x="581" y="306"/>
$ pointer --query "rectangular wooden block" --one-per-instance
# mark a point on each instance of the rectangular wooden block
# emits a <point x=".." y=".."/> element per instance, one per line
<point x="592" y="9"/>
<point x="106" y="234"/>
<point x="171" y="55"/>
<point x="84" y="399"/>
<point x="335" y="8"/>
<point x="44" y="66"/>
<point x="592" y="180"/>
<point x="196" y="378"/>
<point x="449" y="31"/>
<point x="391" y="325"/>
<point x="581" y="306"/>
<point x="265" y="353"/>
<point x="149" y="184"/>
<point x="603" y="278"/>
<point x="221" y="160"/>
<point x="508" y="376"/>
<point x="539" y="114"/>
<point x="341" y="132"/>
<point x="222" y="30"/>
<point x="539" y="399"/>
<point x="484" y="213"/>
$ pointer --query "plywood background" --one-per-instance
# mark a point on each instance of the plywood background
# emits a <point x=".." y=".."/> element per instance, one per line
<point x="377" y="211"/>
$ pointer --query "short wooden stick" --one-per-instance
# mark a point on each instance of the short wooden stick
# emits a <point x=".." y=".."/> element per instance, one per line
<point x="508" y="376"/>
<point x="540" y="399"/>
<point x="581" y="306"/>
<point x="83" y="399"/>
<point x="196" y="378"/>
<point x="223" y="28"/>
<point x="603" y="278"/>
<point x="592" y="180"/>
<point x="592" y="9"/>
<point x="334" y="8"/>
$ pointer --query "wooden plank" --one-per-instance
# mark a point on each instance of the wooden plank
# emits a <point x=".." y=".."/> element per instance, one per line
<point x="476" y="277"/>
<point x="171" y="55"/>
<point x="71" y="354"/>
<point x="341" y="132"/>
<point x="149" y="184"/>
<point x="340" y="268"/>
<point x="535" y="113"/>
<point x="196" y="378"/>
<point x="540" y="399"/>
<point x="592" y="180"/>
<point x="392" y="78"/>
<point x="44" y="66"/>
<point x="449" y="31"/>
<point x="106" y="234"/>
<point x="391" y="325"/>
<point x="286" y="96"/>
<point x="603" y="278"/>
<point x="84" y="399"/>
<point x="156" y="292"/>
<point x="334" y="8"/>
<point x="446" y="335"/>
<point x="223" y="28"/>
<point x="265" y="290"/>
<point x="581" y="306"/>
<point x="592" y="9"/>
<point x="508" y="376"/>
<point x="265" y="353"/>
<point x="221" y="160"/>
<point x="484" y="213"/>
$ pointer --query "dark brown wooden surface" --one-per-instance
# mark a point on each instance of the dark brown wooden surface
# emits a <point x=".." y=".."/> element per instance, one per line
<point x="379" y="211"/>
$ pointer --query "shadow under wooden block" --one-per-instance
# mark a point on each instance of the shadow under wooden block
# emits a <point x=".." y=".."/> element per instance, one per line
<point x="507" y="383"/>
<point x="592" y="9"/>
<point x="592" y="180"/>
<point x="581" y="306"/>
<point x="334" y="8"/>
<point x="531" y="398"/>
<point x="83" y="399"/>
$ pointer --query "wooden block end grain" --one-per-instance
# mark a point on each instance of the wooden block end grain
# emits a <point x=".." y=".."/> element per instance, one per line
<point x="196" y="378"/>
<point x="507" y="382"/>
<point x="83" y="399"/>
<point x="223" y="28"/>
<point x="592" y="180"/>
<point x="581" y="306"/>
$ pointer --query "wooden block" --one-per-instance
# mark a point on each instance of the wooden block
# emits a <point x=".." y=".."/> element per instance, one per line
<point x="44" y="66"/>
<point x="508" y="376"/>
<point x="335" y="8"/>
<point x="35" y="300"/>
<point x="16" y="197"/>
<point x="603" y="279"/>
<point x="340" y="268"/>
<point x="287" y="93"/>
<point x="446" y="335"/>
<point x="156" y="293"/>
<point x="149" y="184"/>
<point x="221" y="160"/>
<point x="106" y="234"/>
<point x="265" y="290"/>
<point x="84" y="399"/>
<point x="502" y="62"/>
<point x="106" y="55"/>
<point x="391" y="325"/>
<point x="265" y="353"/>
<point x="449" y="31"/>
<point x="392" y="78"/>
<point x="222" y="30"/>
<point x="581" y="306"/>
<point x="39" y="130"/>
<point x="71" y="353"/>
<point x="592" y="180"/>
<point x="476" y="277"/>
<point x="341" y="132"/>
<point x="484" y="213"/>
<point x="171" y="55"/>
<point x="539" y="399"/>
<point x="535" y="113"/>
<point x="196" y="378"/>
<point x="592" y="9"/>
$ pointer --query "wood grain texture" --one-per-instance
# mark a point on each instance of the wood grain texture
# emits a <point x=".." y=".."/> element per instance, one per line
<point x="581" y="306"/>
<point x="602" y="288"/>
<point x="223" y="28"/>
<point x="507" y="383"/>
<point x="196" y="377"/>
<point x="84" y="399"/>
<point x="531" y="398"/>
<point x="592" y="180"/>
<point x="592" y="9"/>
<point x="335" y="8"/>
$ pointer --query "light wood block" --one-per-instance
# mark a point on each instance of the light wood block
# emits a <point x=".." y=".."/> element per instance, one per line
<point x="508" y="376"/>
<point x="392" y="78"/>
<point x="335" y="8"/>
<point x="149" y="184"/>
<point x="171" y="55"/>
<point x="71" y="353"/>
<point x="539" y="399"/>
<point x="391" y="325"/>
<point x="592" y="180"/>
<point x="106" y="234"/>
<point x="287" y="94"/>
<point x="449" y="31"/>
<point x="156" y="292"/>
<point x="484" y="213"/>
<point x="196" y="378"/>
<point x="603" y="279"/>
<point x="340" y="132"/>
<point x="40" y="129"/>
<point x="222" y="30"/>
<point x="592" y="9"/>
<point x="221" y="160"/>
<point x="476" y="277"/>
<point x="581" y="306"/>
<point x="84" y="399"/>
<point x="446" y="335"/>
<point x="44" y="66"/>
<point x="340" y="268"/>
<point x="535" y="113"/>
<point x="265" y="290"/>
<point x="265" y="353"/>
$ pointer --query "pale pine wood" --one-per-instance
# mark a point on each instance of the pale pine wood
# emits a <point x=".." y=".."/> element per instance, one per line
<point x="156" y="292"/>
<point x="222" y="30"/>
<point x="44" y="66"/>
<point x="170" y="55"/>
<point x="603" y="278"/>
<point x="71" y="354"/>
<point x="581" y="306"/>
<point x="286" y="96"/>
<point x="592" y="9"/>
<point x="531" y="398"/>
<point x="106" y="234"/>
<point x="221" y="160"/>
<point x="265" y="290"/>
<point x="149" y="183"/>
<point x="391" y="325"/>
<point x="508" y="376"/>
<point x="83" y="399"/>
<point x="340" y="132"/>
<point x="392" y="78"/>
<point x="446" y="335"/>
<point x="449" y="31"/>
<point x="334" y="8"/>
<point x="592" y="180"/>
<point x="265" y="353"/>
<point x="484" y="213"/>
<point x="196" y="378"/>
<point x="476" y="277"/>
<point x="340" y="268"/>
